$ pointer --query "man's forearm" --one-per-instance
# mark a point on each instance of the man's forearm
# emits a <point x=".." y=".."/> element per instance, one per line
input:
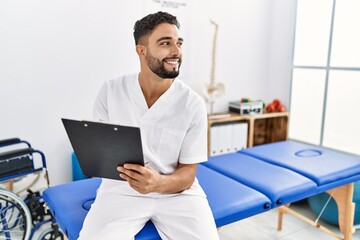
<point x="178" y="181"/>
<point x="145" y="180"/>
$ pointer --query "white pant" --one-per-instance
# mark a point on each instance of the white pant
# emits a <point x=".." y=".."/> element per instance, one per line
<point x="119" y="217"/>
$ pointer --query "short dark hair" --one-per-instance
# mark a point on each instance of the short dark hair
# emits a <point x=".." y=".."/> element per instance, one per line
<point x="146" y="25"/>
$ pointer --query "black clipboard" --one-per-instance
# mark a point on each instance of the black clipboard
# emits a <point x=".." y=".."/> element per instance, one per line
<point x="101" y="147"/>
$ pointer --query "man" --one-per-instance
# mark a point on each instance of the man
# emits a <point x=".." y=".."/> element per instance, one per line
<point x="173" y="123"/>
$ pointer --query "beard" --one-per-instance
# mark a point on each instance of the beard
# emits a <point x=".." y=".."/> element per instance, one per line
<point x="158" y="67"/>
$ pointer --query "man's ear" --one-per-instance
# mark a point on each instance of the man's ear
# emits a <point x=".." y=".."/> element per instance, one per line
<point x="141" y="50"/>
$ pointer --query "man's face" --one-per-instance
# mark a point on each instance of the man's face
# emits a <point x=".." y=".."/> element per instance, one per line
<point x="163" y="54"/>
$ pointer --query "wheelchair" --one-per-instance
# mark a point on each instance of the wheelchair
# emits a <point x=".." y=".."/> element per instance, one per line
<point x="21" y="215"/>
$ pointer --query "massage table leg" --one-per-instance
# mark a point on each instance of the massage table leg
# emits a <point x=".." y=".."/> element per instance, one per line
<point x="280" y="217"/>
<point x="343" y="196"/>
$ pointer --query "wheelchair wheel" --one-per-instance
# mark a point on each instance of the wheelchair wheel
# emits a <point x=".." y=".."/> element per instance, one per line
<point x="51" y="234"/>
<point x="15" y="218"/>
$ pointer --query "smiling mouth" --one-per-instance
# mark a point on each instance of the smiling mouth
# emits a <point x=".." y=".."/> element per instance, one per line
<point x="172" y="61"/>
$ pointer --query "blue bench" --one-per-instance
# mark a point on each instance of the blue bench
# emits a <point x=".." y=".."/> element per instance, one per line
<point x="240" y="185"/>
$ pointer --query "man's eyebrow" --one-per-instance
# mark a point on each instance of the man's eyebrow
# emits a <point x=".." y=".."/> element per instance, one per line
<point x="168" y="38"/>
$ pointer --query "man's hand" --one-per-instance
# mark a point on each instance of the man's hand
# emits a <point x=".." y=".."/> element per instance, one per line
<point x="142" y="179"/>
<point x="146" y="180"/>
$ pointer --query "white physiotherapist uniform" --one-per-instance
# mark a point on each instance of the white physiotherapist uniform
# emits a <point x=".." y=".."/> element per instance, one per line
<point x="173" y="130"/>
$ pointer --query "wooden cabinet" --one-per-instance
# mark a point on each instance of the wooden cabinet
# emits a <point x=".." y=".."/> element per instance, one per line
<point x="262" y="128"/>
<point x="267" y="128"/>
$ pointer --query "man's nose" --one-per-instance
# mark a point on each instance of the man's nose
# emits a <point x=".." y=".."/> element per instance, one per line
<point x="175" y="50"/>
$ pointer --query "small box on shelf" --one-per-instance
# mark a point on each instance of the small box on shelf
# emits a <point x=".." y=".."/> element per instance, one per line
<point x="246" y="108"/>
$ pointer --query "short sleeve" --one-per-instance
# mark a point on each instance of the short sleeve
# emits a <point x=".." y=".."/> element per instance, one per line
<point x="194" y="146"/>
<point x="100" y="111"/>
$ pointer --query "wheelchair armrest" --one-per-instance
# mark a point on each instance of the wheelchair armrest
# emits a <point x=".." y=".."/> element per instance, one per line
<point x="15" y="153"/>
<point x="11" y="141"/>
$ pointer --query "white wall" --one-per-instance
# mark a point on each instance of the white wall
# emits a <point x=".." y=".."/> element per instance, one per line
<point x="280" y="50"/>
<point x="54" y="56"/>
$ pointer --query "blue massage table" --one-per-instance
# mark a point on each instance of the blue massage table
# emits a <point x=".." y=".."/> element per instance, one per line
<point x="240" y="185"/>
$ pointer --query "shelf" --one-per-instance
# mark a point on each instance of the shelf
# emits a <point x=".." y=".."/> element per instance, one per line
<point x="262" y="128"/>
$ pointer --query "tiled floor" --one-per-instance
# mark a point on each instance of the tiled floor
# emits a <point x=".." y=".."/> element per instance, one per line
<point x="264" y="227"/>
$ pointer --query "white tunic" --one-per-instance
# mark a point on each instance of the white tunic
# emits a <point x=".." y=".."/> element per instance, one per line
<point x="173" y="130"/>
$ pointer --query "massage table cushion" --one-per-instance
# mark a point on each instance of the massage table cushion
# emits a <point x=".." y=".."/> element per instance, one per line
<point x="238" y="185"/>
<point x="229" y="200"/>
<point x="326" y="167"/>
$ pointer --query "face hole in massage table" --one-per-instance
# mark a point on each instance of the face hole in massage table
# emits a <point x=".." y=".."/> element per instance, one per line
<point x="307" y="153"/>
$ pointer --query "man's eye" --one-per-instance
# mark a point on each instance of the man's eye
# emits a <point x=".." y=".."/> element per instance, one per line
<point x="164" y="43"/>
<point x="179" y="44"/>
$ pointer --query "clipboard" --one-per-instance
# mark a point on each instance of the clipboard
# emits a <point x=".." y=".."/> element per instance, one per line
<point x="101" y="147"/>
